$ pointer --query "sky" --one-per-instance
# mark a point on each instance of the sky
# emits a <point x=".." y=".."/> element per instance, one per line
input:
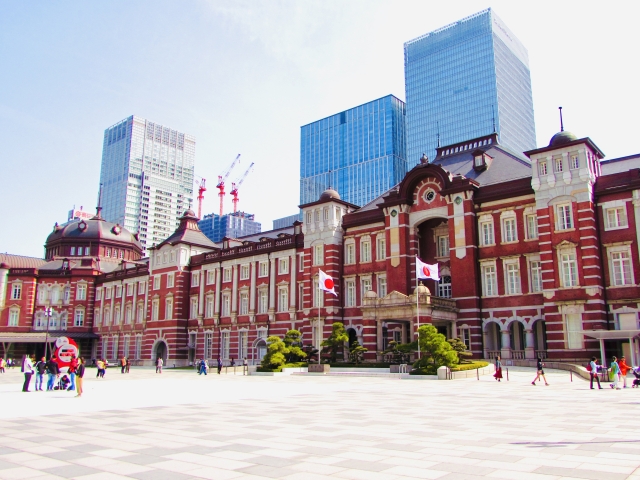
<point x="243" y="76"/>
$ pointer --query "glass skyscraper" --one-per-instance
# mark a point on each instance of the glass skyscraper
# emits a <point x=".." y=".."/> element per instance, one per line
<point x="465" y="80"/>
<point x="146" y="177"/>
<point x="359" y="152"/>
<point x="232" y="225"/>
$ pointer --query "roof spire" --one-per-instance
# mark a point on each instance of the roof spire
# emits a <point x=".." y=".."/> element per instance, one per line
<point x="99" y="207"/>
<point x="561" y="122"/>
<point x="438" y="134"/>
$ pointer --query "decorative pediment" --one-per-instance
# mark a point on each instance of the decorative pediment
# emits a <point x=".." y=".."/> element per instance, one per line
<point x="565" y="244"/>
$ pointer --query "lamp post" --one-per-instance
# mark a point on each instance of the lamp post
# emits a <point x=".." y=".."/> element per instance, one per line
<point x="48" y="313"/>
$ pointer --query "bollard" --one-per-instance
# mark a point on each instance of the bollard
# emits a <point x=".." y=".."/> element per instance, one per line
<point x="478" y="373"/>
<point x="571" y="373"/>
<point x="507" y="374"/>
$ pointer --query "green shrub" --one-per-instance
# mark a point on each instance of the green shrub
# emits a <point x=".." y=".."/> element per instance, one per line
<point x="469" y="366"/>
<point x="359" y="365"/>
<point x="286" y="365"/>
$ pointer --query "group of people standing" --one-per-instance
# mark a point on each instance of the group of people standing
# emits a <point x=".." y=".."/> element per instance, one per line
<point x="8" y="363"/>
<point x="203" y="365"/>
<point x="72" y="380"/>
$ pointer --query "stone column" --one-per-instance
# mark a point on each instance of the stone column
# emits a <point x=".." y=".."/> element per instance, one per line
<point x="252" y="293"/>
<point x="506" y="344"/>
<point x="216" y="311"/>
<point x="293" y="287"/>
<point x="530" y="347"/>
<point x="485" y="338"/>
<point x="272" y="288"/>
<point x="203" y="277"/>
<point x="234" y="293"/>
<point x="379" y="340"/>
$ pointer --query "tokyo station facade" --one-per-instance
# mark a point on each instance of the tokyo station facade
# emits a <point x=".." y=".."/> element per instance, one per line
<point x="538" y="256"/>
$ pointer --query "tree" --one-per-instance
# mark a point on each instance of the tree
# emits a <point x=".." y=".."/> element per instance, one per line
<point x="356" y="352"/>
<point x="336" y="341"/>
<point x="435" y="351"/>
<point x="275" y="356"/>
<point x="460" y="349"/>
<point x="293" y="342"/>
<point x="397" y="352"/>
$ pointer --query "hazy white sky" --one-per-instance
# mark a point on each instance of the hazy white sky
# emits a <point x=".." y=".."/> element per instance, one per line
<point x="243" y="76"/>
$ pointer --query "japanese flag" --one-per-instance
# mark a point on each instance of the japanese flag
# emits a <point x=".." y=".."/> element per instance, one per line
<point x="424" y="270"/>
<point x="326" y="283"/>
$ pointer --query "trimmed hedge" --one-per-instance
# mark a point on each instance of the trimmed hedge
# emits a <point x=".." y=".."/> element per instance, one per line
<point x="279" y="369"/>
<point x="469" y="366"/>
<point x="359" y="365"/>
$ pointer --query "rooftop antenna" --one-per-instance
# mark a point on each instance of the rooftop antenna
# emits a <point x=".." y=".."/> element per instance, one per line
<point x="99" y="207"/>
<point x="561" y="122"/>
<point x="438" y="134"/>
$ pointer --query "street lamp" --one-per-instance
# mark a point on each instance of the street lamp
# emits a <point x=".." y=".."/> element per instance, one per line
<point x="48" y="313"/>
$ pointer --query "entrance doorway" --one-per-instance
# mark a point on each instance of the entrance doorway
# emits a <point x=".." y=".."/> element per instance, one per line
<point x="161" y="351"/>
<point x="353" y="336"/>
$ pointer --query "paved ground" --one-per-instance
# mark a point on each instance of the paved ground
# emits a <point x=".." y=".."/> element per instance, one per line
<point x="181" y="426"/>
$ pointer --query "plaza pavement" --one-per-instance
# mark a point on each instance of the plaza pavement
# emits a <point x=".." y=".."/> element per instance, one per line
<point x="179" y="425"/>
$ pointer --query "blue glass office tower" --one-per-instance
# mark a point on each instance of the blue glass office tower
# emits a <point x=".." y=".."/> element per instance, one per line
<point x="232" y="225"/>
<point x="463" y="81"/>
<point x="359" y="152"/>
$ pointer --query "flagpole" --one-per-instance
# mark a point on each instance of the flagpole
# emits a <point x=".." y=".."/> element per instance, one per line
<point x="418" y="308"/>
<point x="318" y="328"/>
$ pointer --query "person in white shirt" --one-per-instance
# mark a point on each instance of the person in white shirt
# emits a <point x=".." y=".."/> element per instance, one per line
<point x="27" y="369"/>
<point x="594" y="372"/>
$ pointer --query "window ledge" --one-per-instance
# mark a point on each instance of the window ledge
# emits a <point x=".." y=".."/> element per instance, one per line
<point x="628" y="285"/>
<point x="486" y="246"/>
<point x="531" y="239"/>
<point x="509" y="243"/>
<point x="622" y="227"/>
<point x="565" y="230"/>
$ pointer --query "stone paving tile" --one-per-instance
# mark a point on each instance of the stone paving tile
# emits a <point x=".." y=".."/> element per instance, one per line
<point x="161" y="475"/>
<point x="71" y="471"/>
<point x="268" y="471"/>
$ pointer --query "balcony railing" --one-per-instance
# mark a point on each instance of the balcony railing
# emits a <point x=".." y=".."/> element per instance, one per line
<point x="517" y="354"/>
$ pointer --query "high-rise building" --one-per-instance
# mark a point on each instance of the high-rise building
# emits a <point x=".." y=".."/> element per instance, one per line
<point x="467" y="80"/>
<point x="287" y="221"/>
<point x="359" y="152"/>
<point x="146" y="177"/>
<point x="231" y="225"/>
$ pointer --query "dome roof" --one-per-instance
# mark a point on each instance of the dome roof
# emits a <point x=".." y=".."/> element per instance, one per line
<point x="562" y="138"/>
<point x="370" y="294"/>
<point x="95" y="229"/>
<point x="330" y="194"/>
<point x="422" y="290"/>
<point x="189" y="213"/>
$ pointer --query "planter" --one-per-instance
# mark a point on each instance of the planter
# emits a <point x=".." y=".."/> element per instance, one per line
<point x="321" y="368"/>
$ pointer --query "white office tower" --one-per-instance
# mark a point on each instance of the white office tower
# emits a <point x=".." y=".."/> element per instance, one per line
<point x="146" y="177"/>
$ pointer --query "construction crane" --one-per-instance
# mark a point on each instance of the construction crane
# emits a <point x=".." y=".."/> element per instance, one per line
<point x="201" y="189"/>
<point x="221" y="180"/>
<point x="235" y="185"/>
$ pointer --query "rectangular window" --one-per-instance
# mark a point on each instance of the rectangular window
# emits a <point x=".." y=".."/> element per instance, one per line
<point x="574" y="162"/>
<point x="114" y="352"/>
<point x="489" y="281"/>
<point x="168" y="310"/>
<point x="381" y="248"/>
<point x="104" y="347"/>
<point x="193" y="308"/>
<point x="621" y="268"/>
<point x="565" y="221"/>
<point x="444" y="286"/>
<point x="81" y="292"/>
<point x="542" y="167"/>
<point x="283" y="295"/>
<point x="300" y="296"/>
<point x="558" y="164"/>
<point x="138" y="353"/>
<point x="263" y="301"/>
<point x="350" y="293"/>
<point x="208" y="345"/>
<point x="244" y="272"/>
<point x="14" y="315"/>
<point x="365" y="251"/>
<point x="349" y="254"/>
<point x="242" y="344"/>
<point x="156" y="282"/>
<point x="226" y="305"/>
<point x="301" y="262"/>
<point x="210" y="305"/>
<point x="574" y="326"/>
<point x="283" y="266"/>
<point x="73" y="251"/>
<point x="509" y="232"/>
<point x="171" y="280"/>
<point x="79" y="318"/>
<point x="263" y="269"/>
<point x="225" y="345"/>
<point x="142" y="286"/>
<point x="140" y="314"/>
<point x="127" y="315"/>
<point x="98" y="318"/>
<point x="465" y="336"/>
<point x="16" y="291"/>
<point x="226" y="274"/>
<point x="125" y="347"/>
<point x="98" y="293"/>
<point x="366" y="286"/>
<point x="486" y="232"/>
<point x="244" y="304"/>
<point x="211" y="277"/>
<point x="443" y="246"/>
<point x="326" y="214"/>
<point x="513" y="278"/>
<point x="382" y="286"/>
<point x="536" y="276"/>
<point x="318" y="256"/>
<point x="318" y="295"/>
<point x="616" y="217"/>
<point x="532" y="227"/>
<point x="129" y="289"/>
<point x="195" y="279"/>
<point x="118" y="291"/>
<point x="569" y="269"/>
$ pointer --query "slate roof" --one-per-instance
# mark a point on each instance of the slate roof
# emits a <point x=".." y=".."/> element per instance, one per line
<point x="19" y="261"/>
<point x="619" y="165"/>
<point x="188" y="232"/>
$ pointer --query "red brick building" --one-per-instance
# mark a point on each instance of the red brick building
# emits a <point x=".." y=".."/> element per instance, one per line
<point x="538" y="256"/>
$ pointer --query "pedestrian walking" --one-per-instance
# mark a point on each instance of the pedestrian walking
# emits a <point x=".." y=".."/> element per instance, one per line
<point x="100" y="365"/>
<point x="245" y="366"/>
<point x="593" y="372"/>
<point x="128" y="365"/>
<point x="498" y="374"/>
<point x="105" y="365"/>
<point x="614" y="370"/>
<point x="80" y="377"/>
<point x="202" y="367"/>
<point x="41" y="368"/>
<point x="219" y="365"/>
<point x="27" y="369"/>
<point x="2" y="365"/>
<point x="159" y="363"/>
<point x="53" y="371"/>
<point x="540" y="373"/>
<point x="123" y="364"/>
<point x="72" y="372"/>
<point x="624" y="369"/>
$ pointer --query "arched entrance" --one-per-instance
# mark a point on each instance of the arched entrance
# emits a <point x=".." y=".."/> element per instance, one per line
<point x="493" y="340"/>
<point x="518" y="342"/>
<point x="353" y="336"/>
<point x="540" y="338"/>
<point x="160" y="350"/>
<point x="260" y="349"/>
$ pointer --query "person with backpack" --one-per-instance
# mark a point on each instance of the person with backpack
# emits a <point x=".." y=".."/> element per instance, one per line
<point x="593" y="372"/>
<point x="41" y="368"/>
<point x="53" y="371"/>
<point x="72" y="372"/>
<point x="614" y="370"/>
<point x="27" y="369"/>
<point x="80" y="377"/>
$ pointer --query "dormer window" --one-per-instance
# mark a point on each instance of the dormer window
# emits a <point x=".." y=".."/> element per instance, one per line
<point x="480" y="160"/>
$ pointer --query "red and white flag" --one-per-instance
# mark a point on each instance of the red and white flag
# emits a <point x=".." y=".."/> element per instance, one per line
<point x="326" y="283"/>
<point x="425" y="271"/>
